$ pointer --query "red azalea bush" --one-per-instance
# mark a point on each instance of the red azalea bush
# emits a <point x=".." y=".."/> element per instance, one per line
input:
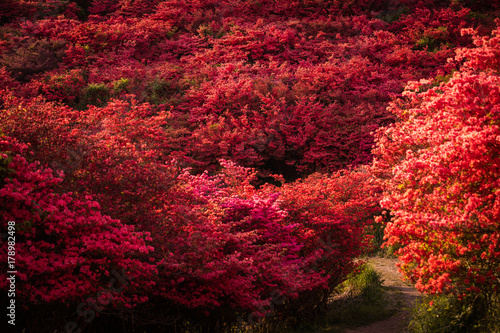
<point x="441" y="170"/>
<point x="64" y="250"/>
<point x="332" y="214"/>
<point x="292" y="244"/>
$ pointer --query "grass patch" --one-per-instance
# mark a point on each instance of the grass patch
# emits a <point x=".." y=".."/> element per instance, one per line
<point x="361" y="301"/>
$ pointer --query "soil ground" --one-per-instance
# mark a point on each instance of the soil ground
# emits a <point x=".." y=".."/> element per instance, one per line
<point x="400" y="295"/>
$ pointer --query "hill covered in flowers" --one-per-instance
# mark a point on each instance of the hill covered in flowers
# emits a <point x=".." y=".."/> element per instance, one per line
<point x="224" y="161"/>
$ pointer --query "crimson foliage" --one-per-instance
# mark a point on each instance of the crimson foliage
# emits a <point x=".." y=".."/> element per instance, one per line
<point x="288" y="87"/>
<point x="64" y="248"/>
<point x="166" y="117"/>
<point x="219" y="248"/>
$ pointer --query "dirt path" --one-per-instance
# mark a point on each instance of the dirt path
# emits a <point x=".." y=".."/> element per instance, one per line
<point x="400" y="296"/>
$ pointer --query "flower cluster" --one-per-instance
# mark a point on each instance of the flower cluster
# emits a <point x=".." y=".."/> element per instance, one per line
<point x="440" y="168"/>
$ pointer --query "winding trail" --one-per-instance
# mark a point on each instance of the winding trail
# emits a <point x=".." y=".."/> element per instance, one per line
<point x="400" y="295"/>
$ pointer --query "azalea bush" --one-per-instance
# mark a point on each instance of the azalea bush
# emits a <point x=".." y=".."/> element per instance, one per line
<point x="240" y="248"/>
<point x="440" y="169"/>
<point x="65" y="250"/>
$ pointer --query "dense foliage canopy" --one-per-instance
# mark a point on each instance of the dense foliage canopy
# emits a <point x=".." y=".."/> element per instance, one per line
<point x="214" y="156"/>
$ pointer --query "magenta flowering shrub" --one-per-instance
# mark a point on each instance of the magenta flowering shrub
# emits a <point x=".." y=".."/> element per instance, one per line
<point x="233" y="248"/>
<point x="64" y="247"/>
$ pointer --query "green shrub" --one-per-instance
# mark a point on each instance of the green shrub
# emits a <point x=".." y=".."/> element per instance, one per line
<point x="390" y="16"/>
<point x="95" y="94"/>
<point x="443" y="314"/>
<point x="159" y="91"/>
<point x="121" y="85"/>
<point x="433" y="39"/>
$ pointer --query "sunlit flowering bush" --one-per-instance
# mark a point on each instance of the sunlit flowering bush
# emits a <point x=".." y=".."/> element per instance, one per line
<point x="440" y="165"/>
